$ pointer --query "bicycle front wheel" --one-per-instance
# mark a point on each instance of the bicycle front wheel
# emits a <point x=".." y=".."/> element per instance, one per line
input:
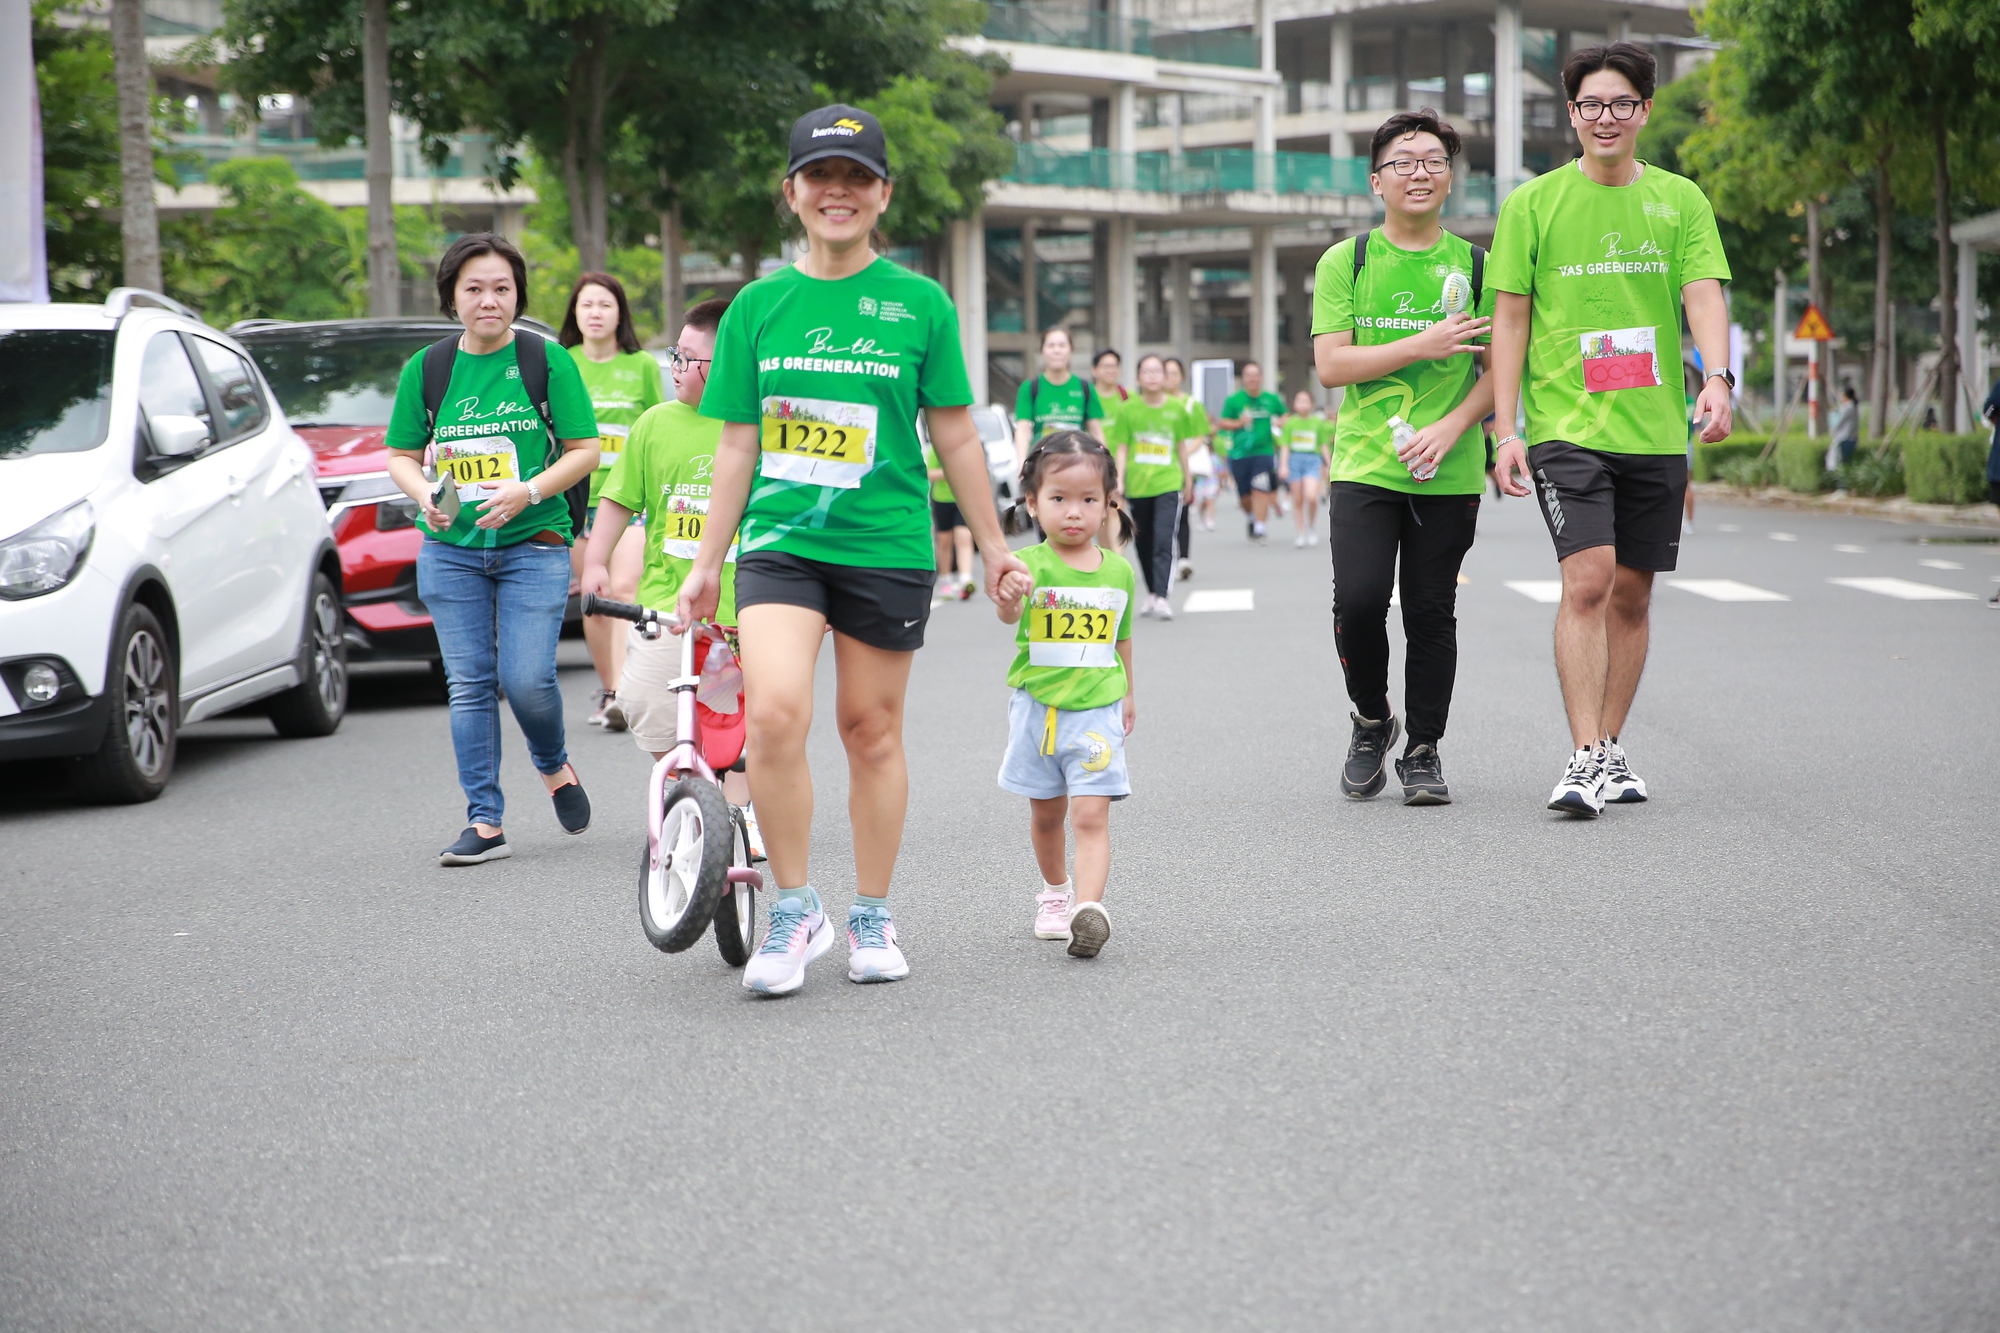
<point x="678" y="891"/>
<point x="736" y="912"/>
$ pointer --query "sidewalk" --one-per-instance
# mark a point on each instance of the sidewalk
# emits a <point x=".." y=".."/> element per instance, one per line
<point x="1896" y="509"/>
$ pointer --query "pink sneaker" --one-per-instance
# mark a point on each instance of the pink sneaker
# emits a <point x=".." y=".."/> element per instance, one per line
<point x="1052" y="913"/>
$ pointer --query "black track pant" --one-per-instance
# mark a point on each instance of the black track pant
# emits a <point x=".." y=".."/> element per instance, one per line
<point x="1433" y="532"/>
<point x="1153" y="544"/>
<point x="1189" y="509"/>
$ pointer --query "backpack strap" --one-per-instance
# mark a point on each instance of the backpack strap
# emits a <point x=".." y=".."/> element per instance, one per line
<point x="438" y="358"/>
<point x="1360" y="252"/>
<point x="531" y="354"/>
<point x="1478" y="275"/>
<point x="1034" y="393"/>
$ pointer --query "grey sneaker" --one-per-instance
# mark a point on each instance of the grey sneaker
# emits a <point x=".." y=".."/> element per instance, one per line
<point x="1621" y="785"/>
<point x="1367" y="755"/>
<point x="1581" y="791"/>
<point x="1422" y="775"/>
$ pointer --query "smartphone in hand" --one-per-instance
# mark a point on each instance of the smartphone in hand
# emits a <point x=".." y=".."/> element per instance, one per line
<point x="444" y="498"/>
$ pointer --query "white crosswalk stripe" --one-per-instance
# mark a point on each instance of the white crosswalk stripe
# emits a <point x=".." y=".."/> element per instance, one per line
<point x="1220" y="599"/>
<point x="1940" y="564"/>
<point x="1538" y="590"/>
<point x="1906" y="590"/>
<point x="1727" y="590"/>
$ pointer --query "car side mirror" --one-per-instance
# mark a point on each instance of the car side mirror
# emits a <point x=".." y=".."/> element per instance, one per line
<point x="176" y="436"/>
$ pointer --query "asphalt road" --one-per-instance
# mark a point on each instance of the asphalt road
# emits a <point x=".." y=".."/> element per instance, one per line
<point x="1729" y="1060"/>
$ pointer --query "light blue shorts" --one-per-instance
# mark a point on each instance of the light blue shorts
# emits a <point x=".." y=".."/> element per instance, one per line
<point x="1302" y="467"/>
<point x="1089" y="758"/>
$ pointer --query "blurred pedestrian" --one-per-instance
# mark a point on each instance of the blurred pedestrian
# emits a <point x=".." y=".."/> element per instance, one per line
<point x="1056" y="399"/>
<point x="1105" y="369"/>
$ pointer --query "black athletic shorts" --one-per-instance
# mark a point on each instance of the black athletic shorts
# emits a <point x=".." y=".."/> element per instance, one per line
<point x="1628" y="501"/>
<point x="945" y="515"/>
<point x="883" y="608"/>
<point x="1254" y="472"/>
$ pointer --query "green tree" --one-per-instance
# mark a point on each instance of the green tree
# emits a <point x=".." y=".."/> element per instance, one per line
<point x="271" y="250"/>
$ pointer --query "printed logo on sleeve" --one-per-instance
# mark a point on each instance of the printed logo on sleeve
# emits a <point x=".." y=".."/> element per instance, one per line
<point x="1620" y="359"/>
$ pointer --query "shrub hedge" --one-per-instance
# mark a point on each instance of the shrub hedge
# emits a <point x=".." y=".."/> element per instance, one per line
<point x="1802" y="465"/>
<point x="1945" y="469"/>
<point x="1709" y="458"/>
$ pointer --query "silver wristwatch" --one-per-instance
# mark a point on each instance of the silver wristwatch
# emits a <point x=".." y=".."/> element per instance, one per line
<point x="534" y="494"/>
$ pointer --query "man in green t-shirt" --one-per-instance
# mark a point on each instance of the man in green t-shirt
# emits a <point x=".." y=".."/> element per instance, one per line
<point x="1055" y="399"/>
<point x="1593" y="264"/>
<point x="1398" y="316"/>
<point x="1248" y="414"/>
<point x="662" y="476"/>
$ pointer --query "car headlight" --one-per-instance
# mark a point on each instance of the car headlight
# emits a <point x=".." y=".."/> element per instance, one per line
<point x="48" y="555"/>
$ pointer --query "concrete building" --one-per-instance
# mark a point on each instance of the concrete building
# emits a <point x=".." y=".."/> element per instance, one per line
<point x="1184" y="163"/>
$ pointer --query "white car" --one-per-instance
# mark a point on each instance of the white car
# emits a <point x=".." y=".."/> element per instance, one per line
<point x="996" y="436"/>
<point x="164" y="555"/>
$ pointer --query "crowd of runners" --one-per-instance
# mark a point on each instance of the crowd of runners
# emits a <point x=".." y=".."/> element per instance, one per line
<point x="783" y="488"/>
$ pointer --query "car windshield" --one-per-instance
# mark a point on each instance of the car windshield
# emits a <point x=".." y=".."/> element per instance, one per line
<point x="55" y="390"/>
<point x="336" y="379"/>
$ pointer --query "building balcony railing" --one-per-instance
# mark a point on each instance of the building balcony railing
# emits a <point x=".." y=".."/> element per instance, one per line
<point x="197" y="154"/>
<point x="1195" y="172"/>
<point x="1096" y="30"/>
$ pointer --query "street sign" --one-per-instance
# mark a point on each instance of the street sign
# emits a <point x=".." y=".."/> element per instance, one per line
<point x="1813" y="326"/>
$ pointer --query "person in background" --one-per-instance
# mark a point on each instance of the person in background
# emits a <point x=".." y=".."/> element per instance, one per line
<point x="1306" y="441"/>
<point x="1105" y="368"/>
<point x="953" y="538"/>
<point x="496" y="575"/>
<point x="1148" y="435"/>
<point x="1055" y="399"/>
<point x="1249" y="413"/>
<point x="1990" y="413"/>
<point x="1847" y="426"/>
<point x="1201" y="464"/>
<point x="623" y="381"/>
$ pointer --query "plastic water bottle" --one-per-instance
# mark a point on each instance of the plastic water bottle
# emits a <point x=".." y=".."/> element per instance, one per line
<point x="1400" y="434"/>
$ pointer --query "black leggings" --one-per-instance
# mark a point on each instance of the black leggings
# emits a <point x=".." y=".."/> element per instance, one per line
<point x="1189" y="509"/>
<point x="1433" y="532"/>
<point x="1153" y="524"/>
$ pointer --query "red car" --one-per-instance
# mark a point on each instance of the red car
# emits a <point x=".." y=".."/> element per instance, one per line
<point x="336" y="381"/>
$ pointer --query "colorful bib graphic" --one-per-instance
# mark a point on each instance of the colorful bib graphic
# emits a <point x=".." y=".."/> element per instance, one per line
<point x="1620" y="359"/>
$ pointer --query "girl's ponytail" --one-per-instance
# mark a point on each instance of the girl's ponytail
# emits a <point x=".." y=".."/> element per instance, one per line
<point x="1125" y="528"/>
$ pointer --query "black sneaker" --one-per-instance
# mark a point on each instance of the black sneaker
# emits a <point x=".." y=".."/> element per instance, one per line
<point x="572" y="805"/>
<point x="1367" y="753"/>
<point x="471" y="849"/>
<point x="1422" y="776"/>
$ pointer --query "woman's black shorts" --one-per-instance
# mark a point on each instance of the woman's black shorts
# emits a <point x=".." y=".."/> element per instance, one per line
<point x="945" y="515"/>
<point x="883" y="608"/>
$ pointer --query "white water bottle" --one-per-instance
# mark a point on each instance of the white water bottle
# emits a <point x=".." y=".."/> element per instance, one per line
<point x="1400" y="434"/>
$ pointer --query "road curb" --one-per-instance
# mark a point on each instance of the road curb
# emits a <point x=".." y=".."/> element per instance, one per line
<point x="1896" y="509"/>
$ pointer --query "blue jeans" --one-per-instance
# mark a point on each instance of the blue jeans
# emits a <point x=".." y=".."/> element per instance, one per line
<point x="498" y="614"/>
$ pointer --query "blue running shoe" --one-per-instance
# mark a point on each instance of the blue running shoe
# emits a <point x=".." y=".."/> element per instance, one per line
<point x="798" y="934"/>
<point x="871" y="942"/>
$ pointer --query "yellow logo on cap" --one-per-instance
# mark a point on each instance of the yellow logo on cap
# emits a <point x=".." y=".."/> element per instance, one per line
<point x="845" y="124"/>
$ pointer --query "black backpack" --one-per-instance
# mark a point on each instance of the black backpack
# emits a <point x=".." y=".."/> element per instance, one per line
<point x="1478" y="266"/>
<point x="531" y="354"/>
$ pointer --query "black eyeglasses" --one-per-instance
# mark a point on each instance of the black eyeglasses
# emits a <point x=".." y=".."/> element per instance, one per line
<point x="1623" y="108"/>
<point x="1407" y="166"/>
<point x="682" y="363"/>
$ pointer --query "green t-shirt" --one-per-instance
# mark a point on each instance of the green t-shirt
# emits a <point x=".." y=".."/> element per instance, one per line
<point x="833" y="373"/>
<point x="620" y="389"/>
<point x="1254" y="437"/>
<point x="1400" y="292"/>
<point x="488" y="431"/>
<point x="664" y="472"/>
<point x="1307" y="435"/>
<point x="1048" y="407"/>
<point x="1066" y="652"/>
<point x="940" y="488"/>
<point x="1605" y="266"/>
<point x="1153" y="436"/>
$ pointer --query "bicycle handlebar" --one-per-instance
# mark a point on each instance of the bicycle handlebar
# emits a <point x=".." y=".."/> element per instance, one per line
<point x="593" y="605"/>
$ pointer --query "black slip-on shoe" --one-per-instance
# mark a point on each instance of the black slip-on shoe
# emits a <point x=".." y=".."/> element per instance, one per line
<point x="572" y="803"/>
<point x="1368" y="755"/>
<point x="1422" y="775"/>
<point x="471" y="849"/>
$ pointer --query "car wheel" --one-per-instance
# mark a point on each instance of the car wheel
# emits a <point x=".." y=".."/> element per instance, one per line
<point x="315" y="705"/>
<point x="136" y="757"/>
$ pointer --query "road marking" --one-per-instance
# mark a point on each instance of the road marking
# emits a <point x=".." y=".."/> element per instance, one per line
<point x="1852" y="550"/>
<point x="1906" y="590"/>
<point x="1784" y="536"/>
<point x="1728" y="527"/>
<point x="1727" y="590"/>
<point x="1538" y="590"/>
<point x="1220" y="599"/>
<point x="1940" y="564"/>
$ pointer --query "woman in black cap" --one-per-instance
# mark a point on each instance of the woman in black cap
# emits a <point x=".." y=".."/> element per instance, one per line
<point x="820" y="369"/>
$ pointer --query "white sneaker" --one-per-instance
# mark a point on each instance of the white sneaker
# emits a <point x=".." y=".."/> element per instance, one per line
<point x="1089" y="927"/>
<point x="1146" y="609"/>
<point x="1581" y="791"/>
<point x="872" y="954"/>
<point x="797" y="935"/>
<point x="1184" y="570"/>
<point x="1162" y="609"/>
<point x="1052" y="912"/>
<point x="1621" y="785"/>
<point x="1300" y="541"/>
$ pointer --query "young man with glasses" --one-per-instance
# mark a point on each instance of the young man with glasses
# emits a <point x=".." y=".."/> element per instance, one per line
<point x="1398" y="316"/>
<point x="1592" y="265"/>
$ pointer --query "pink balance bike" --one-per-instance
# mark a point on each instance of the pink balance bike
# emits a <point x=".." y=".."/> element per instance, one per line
<point x="697" y="864"/>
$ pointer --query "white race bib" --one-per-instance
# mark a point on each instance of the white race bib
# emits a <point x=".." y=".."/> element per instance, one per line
<point x="819" y="441"/>
<point x="478" y="465"/>
<point x="1620" y="359"/>
<point x="1074" y="627"/>
<point x="610" y="439"/>
<point x="1152" y="450"/>
<point x="685" y="518"/>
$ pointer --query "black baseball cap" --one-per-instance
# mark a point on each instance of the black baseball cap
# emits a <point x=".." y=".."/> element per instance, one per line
<point x="839" y="131"/>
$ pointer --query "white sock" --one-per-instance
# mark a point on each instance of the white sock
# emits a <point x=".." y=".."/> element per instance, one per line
<point x="1065" y="887"/>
